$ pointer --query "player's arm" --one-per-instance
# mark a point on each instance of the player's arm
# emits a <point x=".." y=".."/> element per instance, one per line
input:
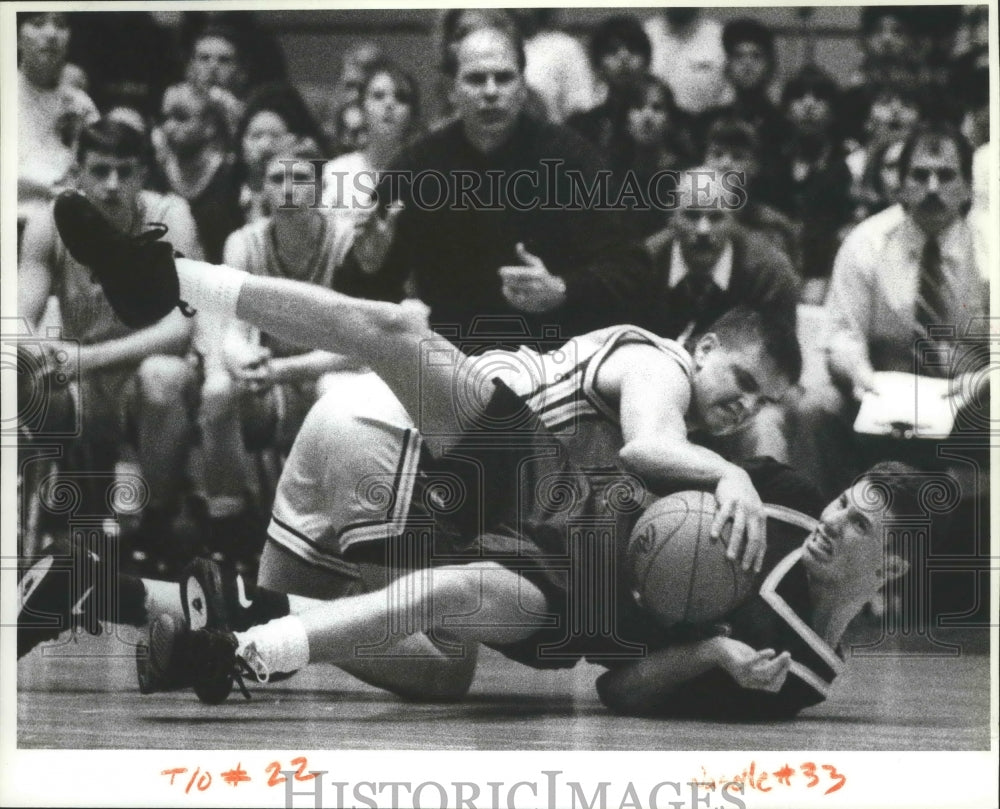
<point x="651" y="686"/>
<point x="653" y="394"/>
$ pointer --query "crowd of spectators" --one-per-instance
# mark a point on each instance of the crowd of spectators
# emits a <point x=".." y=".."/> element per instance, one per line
<point x="853" y="201"/>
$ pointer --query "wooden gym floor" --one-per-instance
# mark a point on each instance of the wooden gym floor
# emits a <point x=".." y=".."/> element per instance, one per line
<point x="83" y="694"/>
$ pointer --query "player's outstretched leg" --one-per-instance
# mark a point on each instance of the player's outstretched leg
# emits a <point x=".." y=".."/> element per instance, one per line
<point x="78" y="587"/>
<point x="143" y="282"/>
<point x="473" y="603"/>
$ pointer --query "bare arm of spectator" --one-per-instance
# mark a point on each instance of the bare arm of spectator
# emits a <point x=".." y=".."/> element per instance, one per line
<point x="34" y="276"/>
<point x="848" y="306"/>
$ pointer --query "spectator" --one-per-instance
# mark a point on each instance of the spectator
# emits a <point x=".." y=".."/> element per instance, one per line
<point x="217" y="68"/>
<point x="706" y="263"/>
<point x="455" y="24"/>
<point x="813" y="183"/>
<point x="274" y="119"/>
<point x="750" y="66"/>
<point x="391" y="113"/>
<point x="258" y="389"/>
<point x="880" y="184"/>
<point x="644" y="150"/>
<point x="888" y="49"/>
<point x="556" y="66"/>
<point x="688" y="55"/>
<point x="354" y="66"/>
<point x="128" y="59"/>
<point x="130" y="383"/>
<point x="898" y="274"/>
<point x="349" y="133"/>
<point x="894" y="111"/>
<point x="732" y="144"/>
<point x="198" y="165"/>
<point x="263" y="60"/>
<point x="501" y="253"/>
<point x="50" y="114"/>
<point x="619" y="56"/>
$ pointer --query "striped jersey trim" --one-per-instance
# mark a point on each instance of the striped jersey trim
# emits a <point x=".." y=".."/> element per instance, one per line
<point x="298" y="544"/>
<point x="403" y="484"/>
<point x="816" y="644"/>
<point x="574" y="396"/>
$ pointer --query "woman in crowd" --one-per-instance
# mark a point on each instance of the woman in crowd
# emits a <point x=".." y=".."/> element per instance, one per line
<point x="390" y="105"/>
<point x="276" y="118"/>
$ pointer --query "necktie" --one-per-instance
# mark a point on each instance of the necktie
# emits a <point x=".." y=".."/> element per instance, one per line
<point x="694" y="301"/>
<point x="932" y="301"/>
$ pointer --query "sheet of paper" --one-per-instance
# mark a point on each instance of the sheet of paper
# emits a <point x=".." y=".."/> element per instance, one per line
<point x="908" y="405"/>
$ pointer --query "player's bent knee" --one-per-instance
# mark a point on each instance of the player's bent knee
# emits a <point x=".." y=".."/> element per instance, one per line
<point x="164" y="379"/>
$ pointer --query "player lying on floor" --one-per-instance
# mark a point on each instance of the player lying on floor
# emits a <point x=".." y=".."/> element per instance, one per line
<point x="652" y="386"/>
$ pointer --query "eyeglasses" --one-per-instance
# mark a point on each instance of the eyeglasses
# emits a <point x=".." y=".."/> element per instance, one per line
<point x="923" y="175"/>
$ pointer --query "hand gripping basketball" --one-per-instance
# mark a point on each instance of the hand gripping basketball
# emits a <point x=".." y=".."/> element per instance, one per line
<point x="680" y="572"/>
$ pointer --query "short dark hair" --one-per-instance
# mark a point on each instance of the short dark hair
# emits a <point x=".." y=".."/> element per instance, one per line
<point x="900" y="483"/>
<point x="936" y="131"/>
<point x="634" y="96"/>
<point x="811" y="79"/>
<point x="216" y="30"/>
<point x="449" y="65"/>
<point x="621" y="30"/>
<point x="111" y="137"/>
<point x="777" y="336"/>
<point x="870" y="15"/>
<point x="736" y="32"/>
<point x="734" y="132"/>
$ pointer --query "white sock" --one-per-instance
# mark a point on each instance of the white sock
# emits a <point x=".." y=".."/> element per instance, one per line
<point x="279" y="645"/>
<point x="214" y="287"/>
<point x="161" y="597"/>
<point x="300" y="604"/>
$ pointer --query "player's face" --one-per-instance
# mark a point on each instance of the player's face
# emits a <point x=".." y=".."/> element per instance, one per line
<point x="42" y="41"/>
<point x="647" y="124"/>
<point x="849" y="544"/>
<point x="266" y="135"/>
<point x="184" y="126"/>
<point x="387" y="112"/>
<point x="214" y="63"/>
<point x="732" y="384"/>
<point x="488" y="92"/>
<point x="748" y="68"/>
<point x="934" y="189"/>
<point x="111" y="183"/>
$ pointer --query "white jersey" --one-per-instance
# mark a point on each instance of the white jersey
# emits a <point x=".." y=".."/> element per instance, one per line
<point x="560" y="386"/>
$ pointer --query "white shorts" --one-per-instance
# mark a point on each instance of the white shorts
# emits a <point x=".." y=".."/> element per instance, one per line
<point x="348" y="479"/>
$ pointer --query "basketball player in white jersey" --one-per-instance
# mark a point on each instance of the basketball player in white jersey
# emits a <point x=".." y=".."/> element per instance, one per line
<point x="636" y="394"/>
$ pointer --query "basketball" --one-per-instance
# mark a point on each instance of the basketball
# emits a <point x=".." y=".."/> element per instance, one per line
<point x="680" y="574"/>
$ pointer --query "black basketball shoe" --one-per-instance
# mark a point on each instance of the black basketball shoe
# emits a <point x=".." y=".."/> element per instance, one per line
<point x="216" y="597"/>
<point x="62" y="591"/>
<point x="203" y="659"/>
<point x="137" y="273"/>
